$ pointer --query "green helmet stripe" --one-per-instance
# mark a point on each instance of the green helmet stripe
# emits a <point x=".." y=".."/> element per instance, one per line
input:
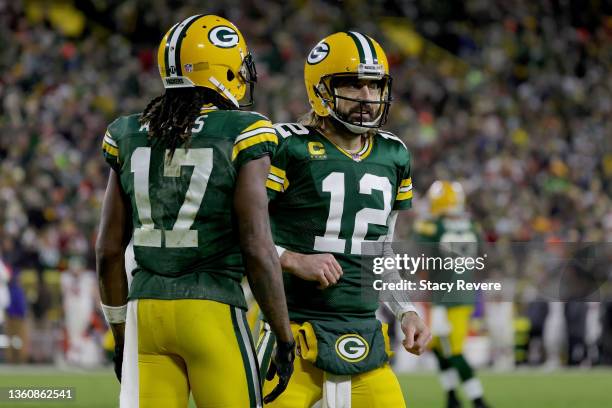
<point x="167" y="48"/>
<point x="371" y="44"/>
<point x="367" y="53"/>
<point x="179" y="69"/>
<point x="358" y="45"/>
<point x="174" y="69"/>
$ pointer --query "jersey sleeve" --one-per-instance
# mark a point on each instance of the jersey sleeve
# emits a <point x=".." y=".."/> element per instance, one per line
<point x="403" y="198"/>
<point x="277" y="181"/>
<point x="254" y="141"/>
<point x="110" y="150"/>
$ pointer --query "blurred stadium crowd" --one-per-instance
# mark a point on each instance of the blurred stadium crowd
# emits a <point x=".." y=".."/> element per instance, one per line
<point x="513" y="99"/>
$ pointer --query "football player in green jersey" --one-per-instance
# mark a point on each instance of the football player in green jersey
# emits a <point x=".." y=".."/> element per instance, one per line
<point x="337" y="181"/>
<point x="452" y="233"/>
<point x="188" y="183"/>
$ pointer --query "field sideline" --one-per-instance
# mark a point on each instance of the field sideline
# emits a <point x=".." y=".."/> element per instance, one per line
<point x="577" y="388"/>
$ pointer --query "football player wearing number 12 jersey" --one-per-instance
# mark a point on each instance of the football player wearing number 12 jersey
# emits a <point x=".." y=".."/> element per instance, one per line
<point x="338" y="181"/>
<point x="189" y="175"/>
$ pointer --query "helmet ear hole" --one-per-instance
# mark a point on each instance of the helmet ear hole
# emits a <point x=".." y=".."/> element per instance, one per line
<point x="230" y="75"/>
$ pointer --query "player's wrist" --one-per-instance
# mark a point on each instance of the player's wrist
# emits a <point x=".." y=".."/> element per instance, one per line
<point x="285" y="347"/>
<point x="289" y="261"/>
<point x="408" y="314"/>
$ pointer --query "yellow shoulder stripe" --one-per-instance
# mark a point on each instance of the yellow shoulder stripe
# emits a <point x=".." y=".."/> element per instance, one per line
<point x="253" y="140"/>
<point x="258" y="124"/>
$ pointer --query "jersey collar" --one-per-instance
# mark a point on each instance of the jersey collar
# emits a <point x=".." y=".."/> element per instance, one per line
<point x="208" y="108"/>
<point x="358" y="156"/>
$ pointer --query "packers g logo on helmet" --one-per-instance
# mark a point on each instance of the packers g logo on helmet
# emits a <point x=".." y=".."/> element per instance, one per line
<point x="224" y="37"/>
<point x="352" y="348"/>
<point x="318" y="53"/>
<point x="347" y="55"/>
<point x="210" y="52"/>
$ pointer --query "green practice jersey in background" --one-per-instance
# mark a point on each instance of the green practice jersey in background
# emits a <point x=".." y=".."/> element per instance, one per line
<point x="325" y="200"/>
<point x="450" y="237"/>
<point x="185" y="237"/>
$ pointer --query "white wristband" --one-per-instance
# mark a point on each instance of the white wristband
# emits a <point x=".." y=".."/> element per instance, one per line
<point x="280" y="250"/>
<point x="114" y="314"/>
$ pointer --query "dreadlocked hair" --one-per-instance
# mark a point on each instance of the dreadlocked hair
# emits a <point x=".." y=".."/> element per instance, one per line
<point x="171" y="116"/>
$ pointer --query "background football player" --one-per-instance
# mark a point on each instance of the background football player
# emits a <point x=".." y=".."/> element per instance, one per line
<point x="189" y="175"/>
<point x="451" y="233"/>
<point x="336" y="182"/>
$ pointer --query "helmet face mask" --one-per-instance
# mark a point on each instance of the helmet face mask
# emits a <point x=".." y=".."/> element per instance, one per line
<point x="248" y="73"/>
<point x="342" y="60"/>
<point x="333" y="100"/>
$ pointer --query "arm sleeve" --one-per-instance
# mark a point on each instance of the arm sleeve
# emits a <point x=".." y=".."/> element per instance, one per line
<point x="400" y="301"/>
<point x="403" y="199"/>
<point x="254" y="141"/>
<point x="110" y="150"/>
<point x="277" y="181"/>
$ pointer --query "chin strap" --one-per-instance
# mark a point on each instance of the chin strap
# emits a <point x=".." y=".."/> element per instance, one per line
<point x="351" y="126"/>
<point x="224" y="91"/>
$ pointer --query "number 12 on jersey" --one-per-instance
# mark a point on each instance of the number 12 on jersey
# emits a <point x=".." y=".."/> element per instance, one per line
<point x="334" y="184"/>
<point x="181" y="235"/>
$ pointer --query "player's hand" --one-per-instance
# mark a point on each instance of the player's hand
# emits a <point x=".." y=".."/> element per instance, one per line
<point x="322" y="268"/>
<point x="416" y="332"/>
<point x="281" y="365"/>
<point x="118" y="360"/>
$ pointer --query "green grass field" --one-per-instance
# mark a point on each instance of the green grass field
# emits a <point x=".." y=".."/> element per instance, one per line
<point x="558" y="389"/>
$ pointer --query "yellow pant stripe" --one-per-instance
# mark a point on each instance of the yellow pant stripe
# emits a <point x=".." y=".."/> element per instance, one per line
<point x="265" y="345"/>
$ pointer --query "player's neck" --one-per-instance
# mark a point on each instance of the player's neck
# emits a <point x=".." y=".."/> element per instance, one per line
<point x="349" y="141"/>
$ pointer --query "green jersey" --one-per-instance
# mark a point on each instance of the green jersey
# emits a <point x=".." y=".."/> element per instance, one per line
<point x="185" y="238"/>
<point x="326" y="200"/>
<point x="450" y="238"/>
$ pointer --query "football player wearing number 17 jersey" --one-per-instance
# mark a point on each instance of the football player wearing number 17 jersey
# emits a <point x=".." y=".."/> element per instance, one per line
<point x="187" y="182"/>
<point x="338" y="181"/>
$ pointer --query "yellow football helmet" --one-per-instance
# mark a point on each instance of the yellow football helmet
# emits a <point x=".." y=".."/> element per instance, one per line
<point x="446" y="198"/>
<point x="207" y="51"/>
<point x="341" y="55"/>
